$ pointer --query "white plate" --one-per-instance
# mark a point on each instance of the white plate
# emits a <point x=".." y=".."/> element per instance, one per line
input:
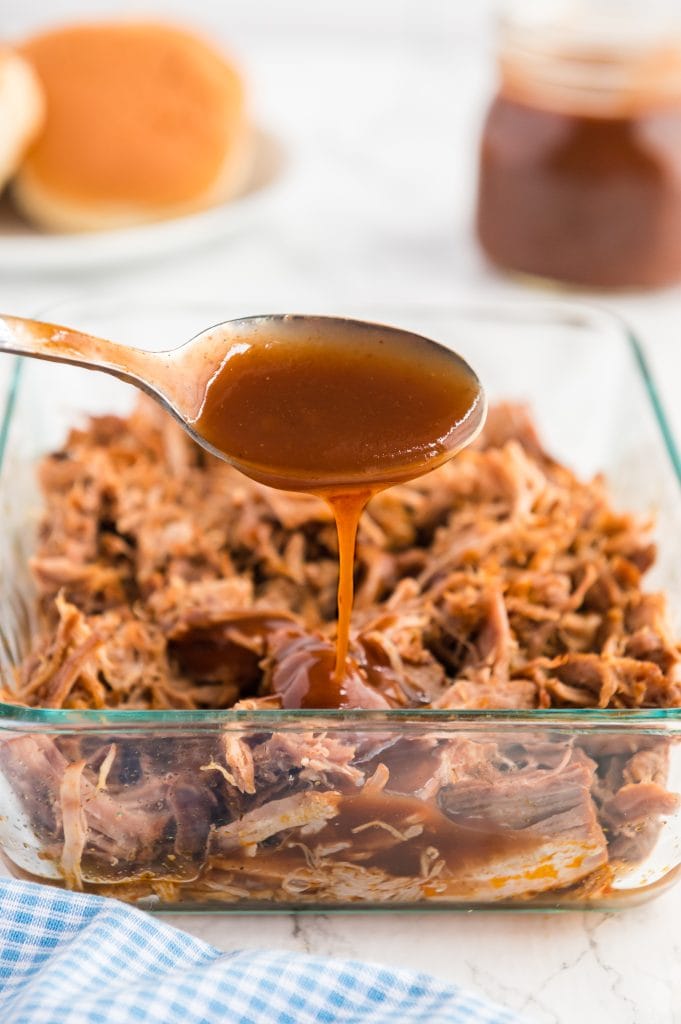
<point x="24" y="248"/>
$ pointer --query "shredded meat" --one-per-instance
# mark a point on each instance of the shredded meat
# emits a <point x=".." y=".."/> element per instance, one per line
<point x="165" y="579"/>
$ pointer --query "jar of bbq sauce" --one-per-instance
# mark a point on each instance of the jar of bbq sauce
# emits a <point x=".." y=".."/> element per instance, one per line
<point x="580" y="160"/>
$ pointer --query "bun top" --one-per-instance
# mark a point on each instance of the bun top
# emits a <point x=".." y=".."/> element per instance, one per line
<point x="137" y="113"/>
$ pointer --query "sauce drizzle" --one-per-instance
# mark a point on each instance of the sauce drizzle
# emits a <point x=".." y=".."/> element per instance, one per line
<point x="341" y="410"/>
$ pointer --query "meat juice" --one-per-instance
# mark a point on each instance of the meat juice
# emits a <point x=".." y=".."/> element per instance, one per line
<point x="340" y="410"/>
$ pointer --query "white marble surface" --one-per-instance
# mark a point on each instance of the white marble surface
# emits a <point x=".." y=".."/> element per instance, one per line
<point x="380" y="104"/>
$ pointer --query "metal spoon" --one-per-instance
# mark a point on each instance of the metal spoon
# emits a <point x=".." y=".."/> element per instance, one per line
<point x="179" y="379"/>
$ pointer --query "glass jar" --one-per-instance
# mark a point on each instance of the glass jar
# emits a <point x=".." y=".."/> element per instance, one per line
<point x="580" y="162"/>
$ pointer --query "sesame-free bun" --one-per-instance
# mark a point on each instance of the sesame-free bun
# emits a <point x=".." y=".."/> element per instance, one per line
<point x="144" y="121"/>
<point x="21" y="110"/>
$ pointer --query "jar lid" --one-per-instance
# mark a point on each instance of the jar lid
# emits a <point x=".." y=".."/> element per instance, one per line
<point x="606" y="58"/>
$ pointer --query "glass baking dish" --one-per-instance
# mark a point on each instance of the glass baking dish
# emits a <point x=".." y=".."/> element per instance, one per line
<point x="177" y="824"/>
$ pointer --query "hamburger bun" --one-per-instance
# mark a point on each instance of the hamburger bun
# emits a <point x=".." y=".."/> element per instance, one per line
<point x="144" y="121"/>
<point x="21" y="111"/>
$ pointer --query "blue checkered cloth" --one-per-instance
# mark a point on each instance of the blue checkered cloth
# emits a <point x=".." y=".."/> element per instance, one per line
<point x="66" y="958"/>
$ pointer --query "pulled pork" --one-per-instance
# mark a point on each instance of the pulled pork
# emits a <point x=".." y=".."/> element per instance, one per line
<point x="165" y="579"/>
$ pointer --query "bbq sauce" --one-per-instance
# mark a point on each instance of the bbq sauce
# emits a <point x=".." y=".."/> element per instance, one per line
<point x="588" y="200"/>
<point x="341" y="410"/>
<point x="392" y="831"/>
<point x="580" y="162"/>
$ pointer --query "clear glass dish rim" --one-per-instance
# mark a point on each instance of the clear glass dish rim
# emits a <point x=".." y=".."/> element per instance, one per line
<point x="563" y="311"/>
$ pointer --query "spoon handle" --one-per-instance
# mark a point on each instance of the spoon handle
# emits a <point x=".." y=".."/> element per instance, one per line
<point x="24" y="337"/>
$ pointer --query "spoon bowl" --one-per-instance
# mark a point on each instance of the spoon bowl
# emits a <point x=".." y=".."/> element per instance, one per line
<point x="262" y="374"/>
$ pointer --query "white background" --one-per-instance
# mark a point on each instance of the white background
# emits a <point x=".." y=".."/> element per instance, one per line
<point x="380" y="104"/>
